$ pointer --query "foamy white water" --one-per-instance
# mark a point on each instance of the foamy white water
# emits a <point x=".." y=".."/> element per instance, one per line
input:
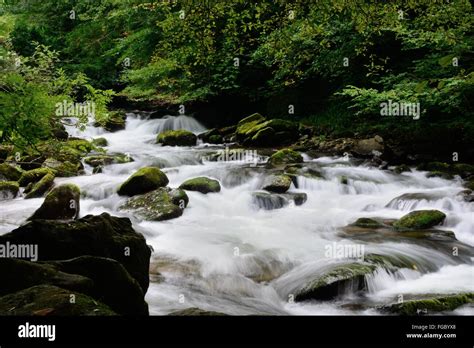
<point x="225" y="254"/>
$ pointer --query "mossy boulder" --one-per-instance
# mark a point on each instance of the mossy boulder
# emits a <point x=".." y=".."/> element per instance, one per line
<point x="420" y="219"/>
<point x="8" y="189"/>
<point x="470" y="185"/>
<point x="10" y="172"/>
<point x="35" y="190"/>
<point x="277" y="183"/>
<point x="158" y="205"/>
<point x="438" y="174"/>
<point x="285" y="156"/>
<point x="177" y="138"/>
<point x="102" y="236"/>
<point x="144" y="180"/>
<point x="259" y="132"/>
<point x="115" y="121"/>
<point x="62" y="169"/>
<point x="34" y="175"/>
<point x="256" y="117"/>
<point x="6" y="151"/>
<point x="462" y="169"/>
<point x="430" y="305"/>
<point x="61" y="203"/>
<point x="48" y="300"/>
<point x="402" y="168"/>
<point x="215" y="139"/>
<point x="101" y="142"/>
<point x="330" y="283"/>
<point x="201" y="184"/>
<point x="104" y="160"/>
<point x="367" y="223"/>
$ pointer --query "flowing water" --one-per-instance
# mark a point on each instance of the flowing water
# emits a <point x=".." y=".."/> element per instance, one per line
<point x="228" y="255"/>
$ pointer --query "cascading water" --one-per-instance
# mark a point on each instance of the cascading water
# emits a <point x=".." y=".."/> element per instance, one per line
<point x="228" y="255"/>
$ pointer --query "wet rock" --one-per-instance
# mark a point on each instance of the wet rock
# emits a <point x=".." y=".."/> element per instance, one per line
<point x="372" y="146"/>
<point x="48" y="300"/>
<point x="177" y="138"/>
<point x="402" y="168"/>
<point x="143" y="181"/>
<point x="61" y="203"/>
<point x="420" y="219"/>
<point x="334" y="281"/>
<point x="104" y="160"/>
<point x="269" y="201"/>
<point x="194" y="311"/>
<point x="111" y="283"/>
<point x="34" y="175"/>
<point x="158" y="205"/>
<point x="256" y="131"/>
<point x="367" y="223"/>
<point x="102" y="236"/>
<point x="201" y="184"/>
<point x="62" y="169"/>
<point x="215" y="139"/>
<point x="277" y="183"/>
<point x="8" y="189"/>
<point x="102" y="142"/>
<point x="430" y="305"/>
<point x="114" y="122"/>
<point x="462" y="169"/>
<point x="10" y="172"/>
<point x="35" y="190"/>
<point x="285" y="156"/>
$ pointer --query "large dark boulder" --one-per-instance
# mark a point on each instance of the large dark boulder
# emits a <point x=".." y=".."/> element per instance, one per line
<point x="102" y="235"/>
<point x="179" y="137"/>
<point x="144" y="180"/>
<point x="61" y="203"/>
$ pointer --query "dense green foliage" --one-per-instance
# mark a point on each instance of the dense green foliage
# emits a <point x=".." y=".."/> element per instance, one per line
<point x="336" y="61"/>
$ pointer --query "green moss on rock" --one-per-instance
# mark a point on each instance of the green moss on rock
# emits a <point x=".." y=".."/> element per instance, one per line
<point x="177" y="138"/>
<point x="367" y="223"/>
<point x="100" y="142"/>
<point x="61" y="203"/>
<point x="430" y="305"/>
<point x="62" y="169"/>
<point x="34" y="175"/>
<point x="8" y="189"/>
<point x="420" y="219"/>
<point x="10" y="172"/>
<point x="41" y="187"/>
<point x="144" y="180"/>
<point x="285" y="156"/>
<point x="201" y="184"/>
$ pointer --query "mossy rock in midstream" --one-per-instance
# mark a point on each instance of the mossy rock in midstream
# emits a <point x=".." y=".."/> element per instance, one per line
<point x="108" y="159"/>
<point x="195" y="312"/>
<point x="101" y="142"/>
<point x="420" y="219"/>
<point x="402" y="168"/>
<point x="34" y="175"/>
<point x="201" y="184"/>
<point x="469" y="185"/>
<point x="158" y="205"/>
<point x="367" y="223"/>
<point x="38" y="189"/>
<point x="285" y="156"/>
<point x="215" y="139"/>
<point x="334" y="281"/>
<point x="8" y="189"/>
<point x="438" y="174"/>
<point x="115" y="120"/>
<point x="61" y="203"/>
<point x="430" y="304"/>
<point x="49" y="300"/>
<point x="179" y="137"/>
<point x="10" y="172"/>
<point x="255" y="130"/>
<point x="277" y="183"/>
<point x="144" y="180"/>
<point x="62" y="169"/>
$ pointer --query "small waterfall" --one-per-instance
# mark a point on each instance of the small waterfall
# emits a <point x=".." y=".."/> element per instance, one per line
<point x="179" y="122"/>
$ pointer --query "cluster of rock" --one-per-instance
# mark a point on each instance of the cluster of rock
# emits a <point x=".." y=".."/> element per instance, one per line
<point x="96" y="265"/>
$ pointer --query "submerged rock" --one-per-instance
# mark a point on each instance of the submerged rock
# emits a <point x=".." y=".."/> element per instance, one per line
<point x="430" y="305"/>
<point x="100" y="142"/>
<point x="48" y="300"/>
<point x="271" y="201"/>
<point x="194" y="311"/>
<point x="201" y="184"/>
<point x="102" y="236"/>
<point x="333" y="282"/>
<point x="104" y="160"/>
<point x="277" y="183"/>
<point x="8" y="189"/>
<point x="143" y="181"/>
<point x="420" y="219"/>
<point x="179" y="137"/>
<point x="61" y="203"/>
<point x="367" y="223"/>
<point x="158" y="205"/>
<point x="285" y="156"/>
<point x="34" y="190"/>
